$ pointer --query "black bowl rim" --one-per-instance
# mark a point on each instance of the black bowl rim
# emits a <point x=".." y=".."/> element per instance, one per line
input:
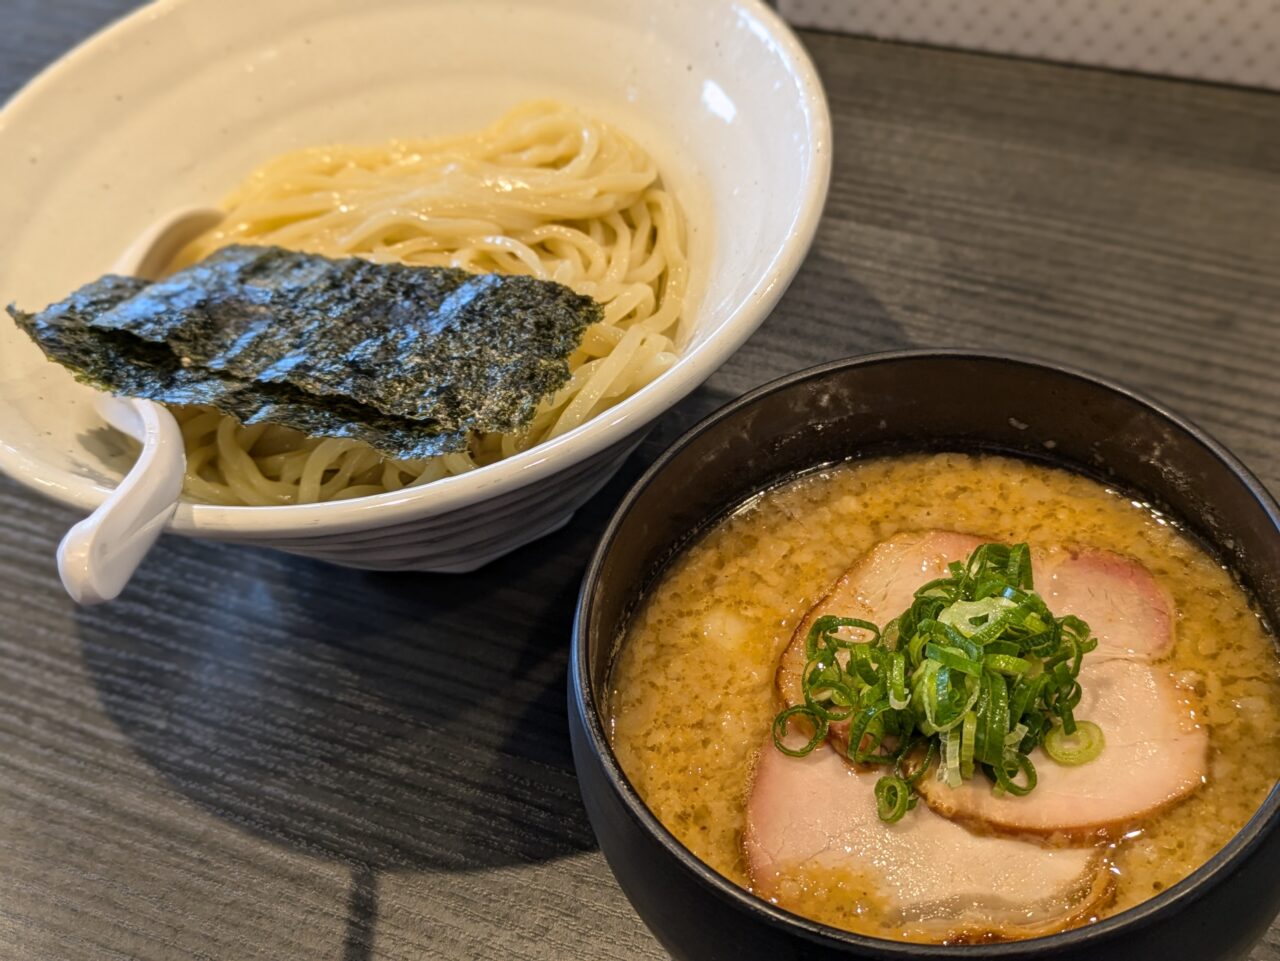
<point x="1145" y="914"/>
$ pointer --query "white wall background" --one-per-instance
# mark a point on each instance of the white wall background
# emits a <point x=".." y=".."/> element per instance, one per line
<point x="1229" y="41"/>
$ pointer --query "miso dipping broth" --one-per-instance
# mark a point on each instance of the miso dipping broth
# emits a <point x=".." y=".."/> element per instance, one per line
<point x="948" y="698"/>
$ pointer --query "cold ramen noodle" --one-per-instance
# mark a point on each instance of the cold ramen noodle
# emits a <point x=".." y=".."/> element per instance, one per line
<point x="948" y="698"/>
<point x="368" y="318"/>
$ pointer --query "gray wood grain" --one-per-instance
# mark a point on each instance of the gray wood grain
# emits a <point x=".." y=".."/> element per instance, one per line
<point x="255" y="756"/>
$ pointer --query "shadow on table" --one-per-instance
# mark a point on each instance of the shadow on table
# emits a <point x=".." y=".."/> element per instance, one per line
<point x="841" y="315"/>
<point x="387" y="722"/>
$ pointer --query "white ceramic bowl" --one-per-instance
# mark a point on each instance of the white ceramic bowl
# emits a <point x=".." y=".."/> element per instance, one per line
<point x="174" y="104"/>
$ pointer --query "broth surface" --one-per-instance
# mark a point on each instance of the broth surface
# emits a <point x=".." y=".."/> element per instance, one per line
<point x="692" y="693"/>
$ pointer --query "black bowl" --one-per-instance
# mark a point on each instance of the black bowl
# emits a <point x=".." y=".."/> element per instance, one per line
<point x="886" y="403"/>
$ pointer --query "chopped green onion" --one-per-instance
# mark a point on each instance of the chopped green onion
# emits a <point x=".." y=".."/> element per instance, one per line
<point x="976" y="673"/>
<point x="830" y="700"/>
<point x="996" y="717"/>
<point x="968" y="733"/>
<point x="783" y="720"/>
<point x="898" y="696"/>
<point x="951" y="758"/>
<point x="953" y="658"/>
<point x="1019" y="566"/>
<point x="962" y="615"/>
<point x="866" y="727"/>
<point x="1006" y="664"/>
<point x="825" y="627"/>
<point x="1072" y="749"/>
<point x="1012" y="767"/>
<point x="894" y="798"/>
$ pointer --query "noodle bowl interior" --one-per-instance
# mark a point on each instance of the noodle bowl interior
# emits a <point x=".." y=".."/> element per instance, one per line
<point x="546" y="192"/>
<point x="696" y="688"/>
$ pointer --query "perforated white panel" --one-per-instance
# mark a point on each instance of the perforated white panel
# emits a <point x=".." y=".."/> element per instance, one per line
<point x="1230" y="41"/>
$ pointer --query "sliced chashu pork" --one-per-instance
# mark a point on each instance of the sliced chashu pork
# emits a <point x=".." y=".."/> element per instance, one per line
<point x="1142" y="715"/>
<point x="815" y="817"/>
<point x="1131" y="615"/>
<point x="1155" y="753"/>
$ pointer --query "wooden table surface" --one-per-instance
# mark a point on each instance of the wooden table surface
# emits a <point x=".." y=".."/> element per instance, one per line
<point x="255" y="756"/>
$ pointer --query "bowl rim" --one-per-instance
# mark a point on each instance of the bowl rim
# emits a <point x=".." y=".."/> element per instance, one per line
<point x="1151" y="911"/>
<point x="607" y="428"/>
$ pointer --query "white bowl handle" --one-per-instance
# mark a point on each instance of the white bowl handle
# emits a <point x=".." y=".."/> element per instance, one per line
<point x="98" y="556"/>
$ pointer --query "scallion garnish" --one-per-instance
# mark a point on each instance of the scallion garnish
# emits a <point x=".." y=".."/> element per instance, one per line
<point x="1072" y="749"/>
<point x="976" y="673"/>
<point x="894" y="798"/>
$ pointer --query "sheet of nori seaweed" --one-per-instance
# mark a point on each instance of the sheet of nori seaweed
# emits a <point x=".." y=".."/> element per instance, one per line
<point x="464" y="351"/>
<point x="123" y="364"/>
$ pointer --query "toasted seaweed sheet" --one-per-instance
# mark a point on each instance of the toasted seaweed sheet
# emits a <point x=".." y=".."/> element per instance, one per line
<point x="118" y="361"/>
<point x="458" y="350"/>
